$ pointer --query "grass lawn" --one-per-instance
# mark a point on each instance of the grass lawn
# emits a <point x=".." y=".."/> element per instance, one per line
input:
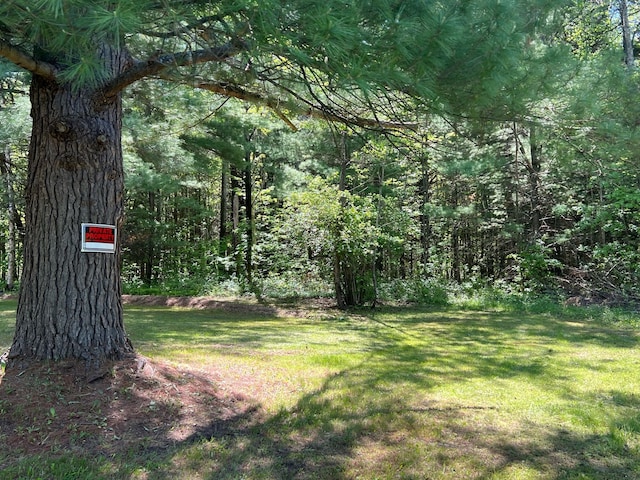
<point x="412" y="393"/>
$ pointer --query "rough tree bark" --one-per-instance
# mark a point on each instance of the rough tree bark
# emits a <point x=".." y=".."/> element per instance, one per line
<point x="70" y="302"/>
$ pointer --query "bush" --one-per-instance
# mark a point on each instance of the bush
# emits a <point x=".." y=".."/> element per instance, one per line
<point x="419" y="291"/>
<point x="291" y="285"/>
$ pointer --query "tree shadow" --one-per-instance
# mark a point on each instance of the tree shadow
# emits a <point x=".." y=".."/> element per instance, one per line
<point x="374" y="419"/>
<point x="360" y="411"/>
<point x="315" y="439"/>
<point x="356" y="413"/>
<point x="225" y="326"/>
<point x="560" y="453"/>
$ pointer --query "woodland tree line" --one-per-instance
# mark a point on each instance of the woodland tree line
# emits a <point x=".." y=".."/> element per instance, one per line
<point x="224" y="194"/>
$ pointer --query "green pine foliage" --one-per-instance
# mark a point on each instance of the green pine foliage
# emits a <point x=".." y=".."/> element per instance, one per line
<point x="519" y="168"/>
<point x="451" y="55"/>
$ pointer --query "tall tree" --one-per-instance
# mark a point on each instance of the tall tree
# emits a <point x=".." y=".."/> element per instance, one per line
<point x="627" y="34"/>
<point x="332" y="59"/>
<point x="7" y="171"/>
<point x="14" y="138"/>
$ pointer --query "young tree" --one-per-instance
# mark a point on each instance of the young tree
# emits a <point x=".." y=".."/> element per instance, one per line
<point x="332" y="59"/>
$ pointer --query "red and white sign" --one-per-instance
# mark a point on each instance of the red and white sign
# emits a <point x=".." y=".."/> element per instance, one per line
<point x="99" y="238"/>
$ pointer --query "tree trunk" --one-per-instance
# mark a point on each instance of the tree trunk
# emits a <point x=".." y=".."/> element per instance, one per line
<point x="70" y="301"/>
<point x="374" y="262"/>
<point x="248" y="211"/>
<point x="146" y="274"/>
<point x="11" y="216"/>
<point x="341" y="283"/>
<point x="224" y="215"/>
<point x="341" y="295"/>
<point x="627" y="36"/>
<point x="534" y="182"/>
<point x="236" y="237"/>
<point x="424" y="190"/>
<point x="455" y="238"/>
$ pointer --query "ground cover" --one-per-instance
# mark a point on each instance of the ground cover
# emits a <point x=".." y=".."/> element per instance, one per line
<point x="230" y="390"/>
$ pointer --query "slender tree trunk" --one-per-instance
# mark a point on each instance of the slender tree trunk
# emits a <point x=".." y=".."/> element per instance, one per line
<point x="534" y="182"/>
<point x="224" y="202"/>
<point x="627" y="37"/>
<point x="602" y="233"/>
<point x="248" y="211"/>
<point x="11" y="214"/>
<point x="70" y="301"/>
<point x="455" y="238"/>
<point x="150" y="250"/>
<point x="236" y="237"/>
<point x="344" y="297"/>
<point x="425" y="221"/>
<point x="376" y="257"/>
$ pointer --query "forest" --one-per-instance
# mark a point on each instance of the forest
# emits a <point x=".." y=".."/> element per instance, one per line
<point x="524" y="179"/>
<point x="258" y="175"/>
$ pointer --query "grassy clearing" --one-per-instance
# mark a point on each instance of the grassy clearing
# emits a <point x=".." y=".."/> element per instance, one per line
<point x="395" y="393"/>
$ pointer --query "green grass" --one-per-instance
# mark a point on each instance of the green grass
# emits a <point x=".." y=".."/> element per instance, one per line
<point x="393" y="394"/>
<point x="7" y="323"/>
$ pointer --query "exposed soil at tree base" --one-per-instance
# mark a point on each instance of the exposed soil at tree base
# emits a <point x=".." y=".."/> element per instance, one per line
<point x="136" y="404"/>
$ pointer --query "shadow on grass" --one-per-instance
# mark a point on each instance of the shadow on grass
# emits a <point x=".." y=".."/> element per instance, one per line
<point x="376" y="419"/>
<point x="381" y="418"/>
<point x="558" y="453"/>
<point x="344" y="431"/>
<point x="229" y="326"/>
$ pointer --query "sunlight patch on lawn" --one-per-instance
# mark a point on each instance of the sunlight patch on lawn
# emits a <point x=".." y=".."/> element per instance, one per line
<point x="442" y="395"/>
<point x="7" y="323"/>
<point x="404" y="393"/>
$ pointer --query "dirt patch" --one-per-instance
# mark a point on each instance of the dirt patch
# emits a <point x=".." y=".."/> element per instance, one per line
<point x="199" y="303"/>
<point x="136" y="405"/>
<point x="299" y="308"/>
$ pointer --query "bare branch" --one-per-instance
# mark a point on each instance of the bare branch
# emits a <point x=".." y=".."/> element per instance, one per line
<point x="26" y="61"/>
<point x="285" y="119"/>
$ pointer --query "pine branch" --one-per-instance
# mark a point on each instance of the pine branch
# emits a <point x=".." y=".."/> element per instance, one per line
<point x="156" y="65"/>
<point x="322" y="110"/>
<point x="302" y="108"/>
<point x="26" y="61"/>
<point x="186" y="29"/>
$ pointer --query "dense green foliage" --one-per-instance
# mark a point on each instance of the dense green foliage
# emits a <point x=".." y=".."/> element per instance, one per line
<point x="516" y="167"/>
